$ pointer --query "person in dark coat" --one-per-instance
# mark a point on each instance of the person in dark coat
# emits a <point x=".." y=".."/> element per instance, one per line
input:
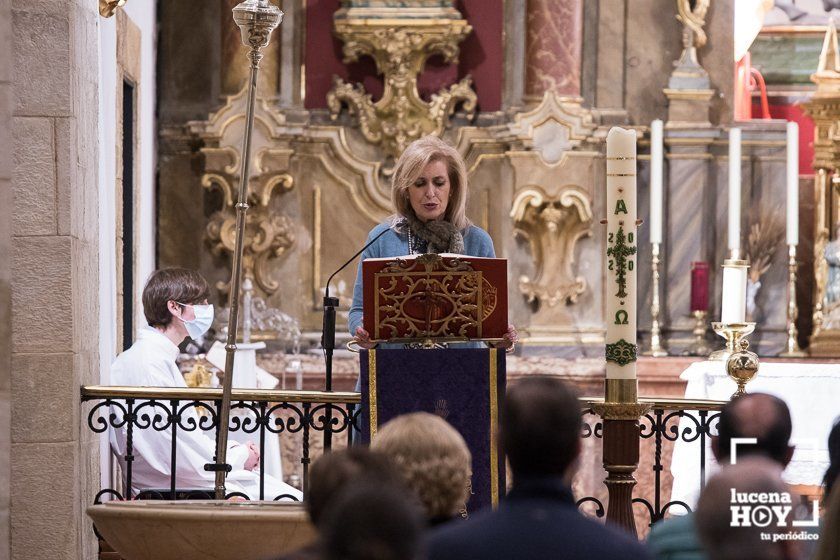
<point x="540" y="430"/>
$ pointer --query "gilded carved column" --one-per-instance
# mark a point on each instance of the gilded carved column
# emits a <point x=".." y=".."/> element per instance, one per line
<point x="824" y="110"/>
<point x="553" y="48"/>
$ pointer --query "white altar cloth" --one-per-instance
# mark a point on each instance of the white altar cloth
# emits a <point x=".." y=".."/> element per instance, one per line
<point x="811" y="391"/>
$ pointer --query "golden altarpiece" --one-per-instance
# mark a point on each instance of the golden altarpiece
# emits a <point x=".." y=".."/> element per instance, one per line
<point x="535" y="159"/>
<point x="824" y="109"/>
<point x="321" y="178"/>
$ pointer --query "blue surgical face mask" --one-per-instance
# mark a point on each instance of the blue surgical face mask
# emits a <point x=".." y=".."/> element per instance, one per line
<point x="203" y="319"/>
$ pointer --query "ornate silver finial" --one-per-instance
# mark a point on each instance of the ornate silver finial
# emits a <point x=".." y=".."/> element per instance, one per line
<point x="256" y="20"/>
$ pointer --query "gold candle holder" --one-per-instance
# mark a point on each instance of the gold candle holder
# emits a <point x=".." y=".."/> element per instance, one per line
<point x="742" y="367"/>
<point x="792" y="348"/>
<point x="732" y="333"/>
<point x="700" y="347"/>
<point x="656" y="349"/>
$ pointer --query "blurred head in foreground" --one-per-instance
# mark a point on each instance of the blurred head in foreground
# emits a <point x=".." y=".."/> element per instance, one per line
<point x="433" y="460"/>
<point x="755" y="415"/>
<point x="372" y="521"/>
<point x="540" y="428"/>
<point x="728" y="519"/>
<point x="334" y="472"/>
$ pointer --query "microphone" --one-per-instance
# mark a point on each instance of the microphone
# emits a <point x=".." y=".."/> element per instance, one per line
<point x="330" y="303"/>
<point x="351" y="259"/>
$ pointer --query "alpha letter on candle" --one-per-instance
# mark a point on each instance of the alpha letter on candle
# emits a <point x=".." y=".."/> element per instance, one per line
<point x="621" y="254"/>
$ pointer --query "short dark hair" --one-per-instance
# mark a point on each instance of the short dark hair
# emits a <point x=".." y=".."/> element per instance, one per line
<point x="372" y="521"/>
<point x="756" y="415"/>
<point x="540" y="426"/>
<point x="337" y="470"/>
<point x="171" y="284"/>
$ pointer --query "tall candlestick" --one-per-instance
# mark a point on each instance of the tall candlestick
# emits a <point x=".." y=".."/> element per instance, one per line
<point x="734" y="231"/>
<point x="733" y="307"/>
<point x="621" y="254"/>
<point x="792" y="183"/>
<point x="656" y="181"/>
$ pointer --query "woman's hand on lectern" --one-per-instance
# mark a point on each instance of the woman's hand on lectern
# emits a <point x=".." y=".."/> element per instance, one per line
<point x="509" y="339"/>
<point x="363" y="339"/>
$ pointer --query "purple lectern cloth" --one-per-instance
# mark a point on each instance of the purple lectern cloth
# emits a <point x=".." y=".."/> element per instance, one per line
<point x="458" y="384"/>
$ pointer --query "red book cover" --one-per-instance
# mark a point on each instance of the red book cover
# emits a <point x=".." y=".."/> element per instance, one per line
<point x="443" y="297"/>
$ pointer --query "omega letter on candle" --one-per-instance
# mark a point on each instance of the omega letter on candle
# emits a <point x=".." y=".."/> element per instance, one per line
<point x="621" y="254"/>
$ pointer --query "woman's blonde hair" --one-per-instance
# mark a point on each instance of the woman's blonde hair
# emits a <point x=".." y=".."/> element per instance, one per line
<point x="433" y="459"/>
<point x="410" y="164"/>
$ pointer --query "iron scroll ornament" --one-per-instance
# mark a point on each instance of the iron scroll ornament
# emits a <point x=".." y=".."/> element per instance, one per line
<point x="621" y="352"/>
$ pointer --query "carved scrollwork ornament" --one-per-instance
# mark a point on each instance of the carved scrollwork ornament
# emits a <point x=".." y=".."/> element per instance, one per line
<point x="693" y="18"/>
<point x="400" y="50"/>
<point x="552" y="226"/>
<point x="268" y="235"/>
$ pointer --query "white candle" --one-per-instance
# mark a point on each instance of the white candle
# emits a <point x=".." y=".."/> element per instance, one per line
<point x="792" y="183"/>
<point x="733" y="308"/>
<point x="735" y="191"/>
<point x="656" y="181"/>
<point x="621" y="254"/>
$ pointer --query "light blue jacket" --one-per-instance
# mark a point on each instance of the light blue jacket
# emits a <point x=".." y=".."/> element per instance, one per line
<point x="477" y="243"/>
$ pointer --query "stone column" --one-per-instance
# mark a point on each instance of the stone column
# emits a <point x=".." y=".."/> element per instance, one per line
<point x="553" y="47"/>
<point x="5" y="272"/>
<point x="690" y="194"/>
<point x="610" y="67"/>
<point x="54" y="462"/>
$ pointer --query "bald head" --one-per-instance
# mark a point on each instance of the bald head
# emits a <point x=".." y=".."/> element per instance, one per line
<point x="725" y="534"/>
<point x="755" y="415"/>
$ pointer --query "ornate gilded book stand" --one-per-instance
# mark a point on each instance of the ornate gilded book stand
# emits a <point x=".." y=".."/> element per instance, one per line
<point x="435" y="298"/>
<point x="416" y="305"/>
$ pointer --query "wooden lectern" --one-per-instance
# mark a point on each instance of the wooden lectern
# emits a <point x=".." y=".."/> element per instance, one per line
<point x="424" y="302"/>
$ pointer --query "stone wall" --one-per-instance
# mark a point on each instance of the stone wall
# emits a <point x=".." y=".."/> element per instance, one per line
<point x="54" y="336"/>
<point x="5" y="272"/>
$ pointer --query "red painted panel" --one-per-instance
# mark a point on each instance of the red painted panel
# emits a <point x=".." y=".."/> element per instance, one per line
<point x="806" y="131"/>
<point x="482" y="55"/>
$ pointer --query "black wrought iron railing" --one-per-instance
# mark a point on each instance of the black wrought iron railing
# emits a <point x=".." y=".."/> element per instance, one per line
<point x="315" y="418"/>
<point x="669" y="421"/>
<point x="271" y="414"/>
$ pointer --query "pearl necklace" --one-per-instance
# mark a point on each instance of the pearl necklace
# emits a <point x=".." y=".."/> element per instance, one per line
<point x="411" y="247"/>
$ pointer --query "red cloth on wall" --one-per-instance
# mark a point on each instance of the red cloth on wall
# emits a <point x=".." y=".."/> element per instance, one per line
<point x="795" y="113"/>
